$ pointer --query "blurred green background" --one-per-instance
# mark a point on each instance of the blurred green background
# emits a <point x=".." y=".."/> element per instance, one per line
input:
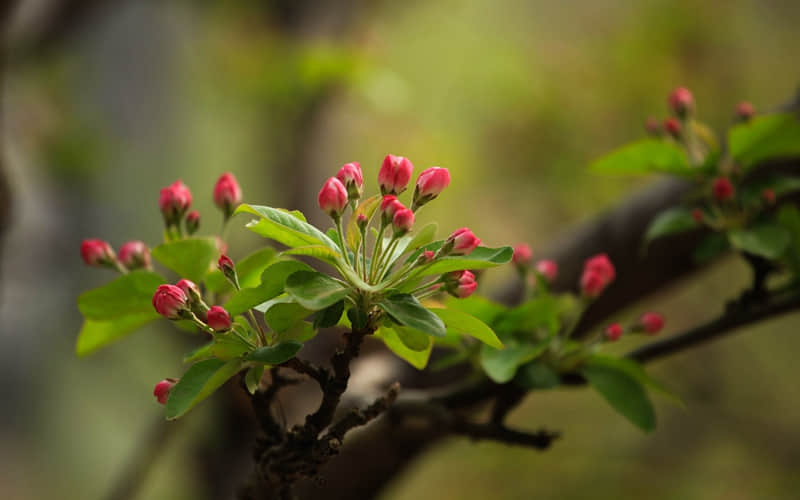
<point x="105" y="104"/>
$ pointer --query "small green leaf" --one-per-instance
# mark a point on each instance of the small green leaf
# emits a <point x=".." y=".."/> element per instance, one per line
<point x="673" y="220"/>
<point x="501" y="364"/>
<point x="285" y="227"/>
<point x="314" y="290"/>
<point x="329" y="316"/>
<point x="253" y="378"/>
<point x="480" y="258"/>
<point x="623" y="392"/>
<point x="98" y="333"/>
<point x="199" y="382"/>
<point x="276" y="354"/>
<point x="537" y="375"/>
<point x="406" y="310"/>
<point x="273" y="280"/>
<point x="462" y="323"/>
<point x="636" y="371"/>
<point x="202" y="352"/>
<point x="711" y="247"/>
<point x="191" y="258"/>
<point x="763" y="138"/>
<point x="130" y="293"/>
<point x="367" y="208"/>
<point x="418" y="359"/>
<point x="767" y="240"/>
<point x="647" y="155"/>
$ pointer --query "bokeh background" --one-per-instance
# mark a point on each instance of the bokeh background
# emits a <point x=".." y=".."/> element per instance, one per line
<point x="105" y="102"/>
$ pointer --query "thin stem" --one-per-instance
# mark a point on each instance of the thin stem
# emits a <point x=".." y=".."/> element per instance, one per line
<point x="376" y="252"/>
<point x="338" y="221"/>
<point x="386" y="258"/>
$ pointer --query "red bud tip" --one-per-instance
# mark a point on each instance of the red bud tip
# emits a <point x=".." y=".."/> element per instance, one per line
<point x="134" y="255"/>
<point x="598" y="273"/>
<point x="97" y="253"/>
<point x="613" y="332"/>
<point x="428" y="255"/>
<point x="460" y="284"/>
<point x="769" y="196"/>
<point x="170" y="301"/>
<point x="463" y="241"/>
<point x="722" y="188"/>
<point x="225" y="264"/>
<point x="219" y="319"/>
<point x="162" y="389"/>
<point x="673" y="127"/>
<point x="174" y="201"/>
<point x="651" y="322"/>
<point x="430" y="183"/>
<point x="332" y="197"/>
<point x="745" y="111"/>
<point x="188" y="287"/>
<point x="548" y="269"/>
<point x="403" y="220"/>
<point x="353" y="180"/>
<point x="227" y="193"/>
<point x="394" y="174"/>
<point x="522" y="254"/>
<point x="681" y="101"/>
<point x="192" y="222"/>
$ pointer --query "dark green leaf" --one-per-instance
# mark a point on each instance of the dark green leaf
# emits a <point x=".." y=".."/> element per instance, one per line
<point x="623" y="392"/>
<point x="202" y="352"/>
<point x="768" y="240"/>
<point x="130" y="293"/>
<point x="97" y="333"/>
<point x="314" y="290"/>
<point x="406" y="310"/>
<point x="647" y="155"/>
<point x="501" y="364"/>
<point x="276" y="354"/>
<point x="282" y="315"/>
<point x="417" y="359"/>
<point x="329" y="316"/>
<point x="464" y="324"/>
<point x="765" y="137"/>
<point x="537" y="375"/>
<point x="273" y="281"/>
<point x="253" y="378"/>
<point x="199" y="382"/>
<point x="711" y="247"/>
<point x="789" y="218"/>
<point x="673" y="220"/>
<point x="191" y="258"/>
<point x="636" y="371"/>
<point x="285" y="227"/>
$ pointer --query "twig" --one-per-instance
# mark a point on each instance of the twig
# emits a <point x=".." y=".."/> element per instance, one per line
<point x="356" y="418"/>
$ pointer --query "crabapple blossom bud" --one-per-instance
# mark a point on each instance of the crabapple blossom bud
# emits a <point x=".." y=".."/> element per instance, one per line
<point x="461" y="242"/>
<point x="170" y="301"/>
<point x="227" y="193"/>
<point x="613" y="332"/>
<point x="218" y="319"/>
<point x="192" y="222"/>
<point x="652" y="126"/>
<point x="548" y="269"/>
<point x="174" y="200"/>
<point x="402" y="221"/>
<point x="592" y="284"/>
<point x="698" y="215"/>
<point x="134" y="254"/>
<point x="361" y="222"/>
<point x="681" y="101"/>
<point x="722" y="188"/>
<point x="394" y="174"/>
<point x="97" y="253"/>
<point x="598" y="273"/>
<point x="161" y="390"/>
<point x="428" y="255"/>
<point x="430" y="183"/>
<point x="190" y="289"/>
<point x="350" y="175"/>
<point x="745" y="111"/>
<point x="460" y="284"/>
<point x="651" y="322"/>
<point x="225" y="264"/>
<point x="522" y="255"/>
<point x="673" y="127"/>
<point x="389" y="206"/>
<point x="332" y="198"/>
<point x="769" y="196"/>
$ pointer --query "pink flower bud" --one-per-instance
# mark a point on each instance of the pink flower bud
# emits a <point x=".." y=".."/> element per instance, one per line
<point x="134" y="254"/>
<point x="362" y="221"/>
<point x="402" y="221"/>
<point x="97" y="253"/>
<point x="430" y="183"/>
<point x="174" y="201"/>
<point x="769" y="196"/>
<point x="170" y="301"/>
<point x="227" y="193"/>
<point x="192" y="222"/>
<point x="462" y="242"/>
<point x="548" y="269"/>
<point x="460" y="284"/>
<point x="225" y="264"/>
<point x="601" y="264"/>
<point x="673" y="127"/>
<point x="162" y="389"/>
<point x="188" y="287"/>
<point x="745" y="111"/>
<point x="681" y="101"/>
<point x="613" y="332"/>
<point x="428" y="255"/>
<point x="394" y="174"/>
<point x="722" y="189"/>
<point x="332" y="197"/>
<point x="390" y="205"/>
<point x="218" y="319"/>
<point x="698" y="215"/>
<point x="592" y="283"/>
<point x="350" y="175"/>
<point x="522" y="254"/>
<point x="652" y="126"/>
<point x="651" y="322"/>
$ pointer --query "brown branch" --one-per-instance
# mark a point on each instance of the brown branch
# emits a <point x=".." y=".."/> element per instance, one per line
<point x="357" y="418"/>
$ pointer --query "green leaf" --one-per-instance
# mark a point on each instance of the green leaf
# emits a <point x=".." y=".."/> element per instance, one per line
<point x="199" y="382"/>
<point x="367" y="208"/>
<point x="98" y="333"/>
<point x="478" y="306"/>
<point x="767" y="240"/>
<point x="711" y="247"/>
<point x="647" y="155"/>
<point x="314" y="290"/>
<point x="763" y="138"/>
<point x="480" y="258"/>
<point x="130" y="293"/>
<point x="301" y="331"/>
<point x="283" y="315"/>
<point x="623" y="392"/>
<point x="462" y="323"/>
<point x="416" y="358"/>
<point x="191" y="258"/>
<point x="542" y="312"/>
<point x="537" y="375"/>
<point x="406" y="310"/>
<point x="501" y="364"/>
<point x="636" y="371"/>
<point x="789" y="218"/>
<point x="781" y="185"/>
<point x="412" y="241"/>
<point x="228" y="346"/>
<point x="273" y="281"/>
<point x="319" y="252"/>
<point x="253" y="378"/>
<point x="673" y="220"/>
<point x="276" y="354"/>
<point x="329" y="316"/>
<point x="202" y="352"/>
<point x="285" y="227"/>
<point x="411" y="338"/>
